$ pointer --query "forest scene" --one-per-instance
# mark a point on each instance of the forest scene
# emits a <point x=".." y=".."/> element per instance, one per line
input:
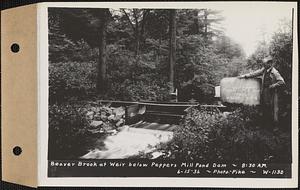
<point x="116" y="73"/>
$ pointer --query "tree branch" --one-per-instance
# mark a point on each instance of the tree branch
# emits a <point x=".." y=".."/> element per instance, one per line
<point x="145" y="14"/>
<point x="128" y="18"/>
<point x="136" y="21"/>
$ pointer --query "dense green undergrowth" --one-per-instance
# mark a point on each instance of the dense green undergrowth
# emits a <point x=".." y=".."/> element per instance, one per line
<point x="68" y="134"/>
<point x="235" y="136"/>
<point x="74" y="128"/>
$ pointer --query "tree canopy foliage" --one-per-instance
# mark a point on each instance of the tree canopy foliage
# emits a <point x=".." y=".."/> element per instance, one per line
<point x="280" y="48"/>
<point x="134" y="56"/>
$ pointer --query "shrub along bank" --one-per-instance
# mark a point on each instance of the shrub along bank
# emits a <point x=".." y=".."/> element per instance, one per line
<point x="74" y="128"/>
<point x="237" y="136"/>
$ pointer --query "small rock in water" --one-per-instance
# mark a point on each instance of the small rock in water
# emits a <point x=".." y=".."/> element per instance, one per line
<point x="117" y="118"/>
<point x="96" y="131"/>
<point x="112" y="132"/>
<point x="107" y="126"/>
<point x="96" y="123"/>
<point x="111" y="117"/>
<point x="226" y="113"/>
<point x="97" y="117"/>
<point x="124" y="128"/>
<point x="120" y="111"/>
<point x="103" y="117"/>
<point x="156" y="155"/>
<point x="107" y="110"/>
<point x="94" y="109"/>
<point x="120" y="122"/>
<point x="90" y="115"/>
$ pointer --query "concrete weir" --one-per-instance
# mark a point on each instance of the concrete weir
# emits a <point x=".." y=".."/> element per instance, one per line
<point x="147" y="125"/>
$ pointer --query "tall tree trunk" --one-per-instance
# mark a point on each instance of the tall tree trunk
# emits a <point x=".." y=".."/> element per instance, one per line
<point x="205" y="26"/>
<point x="137" y="32"/>
<point x="172" y="45"/>
<point x="102" y="75"/>
<point x="196" y="22"/>
<point x="159" y="47"/>
<point x="137" y="42"/>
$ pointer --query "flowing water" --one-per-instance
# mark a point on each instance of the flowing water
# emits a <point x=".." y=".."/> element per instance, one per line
<point x="129" y="142"/>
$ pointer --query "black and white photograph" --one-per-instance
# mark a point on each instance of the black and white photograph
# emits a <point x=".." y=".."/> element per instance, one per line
<point x="164" y="92"/>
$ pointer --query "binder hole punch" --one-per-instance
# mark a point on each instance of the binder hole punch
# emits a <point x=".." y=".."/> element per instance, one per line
<point x="15" y="48"/>
<point x="17" y="151"/>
